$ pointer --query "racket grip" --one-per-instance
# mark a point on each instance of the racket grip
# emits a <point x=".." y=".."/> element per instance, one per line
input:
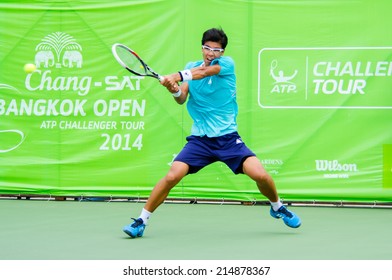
<point x="161" y="78"/>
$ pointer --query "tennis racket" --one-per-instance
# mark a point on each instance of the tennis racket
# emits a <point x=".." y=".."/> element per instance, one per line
<point x="132" y="62"/>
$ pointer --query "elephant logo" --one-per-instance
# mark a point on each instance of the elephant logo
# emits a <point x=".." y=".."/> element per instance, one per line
<point x="72" y="57"/>
<point x="45" y="57"/>
<point x="58" y="50"/>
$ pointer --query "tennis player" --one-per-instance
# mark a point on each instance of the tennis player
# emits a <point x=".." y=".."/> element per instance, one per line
<point x="209" y="85"/>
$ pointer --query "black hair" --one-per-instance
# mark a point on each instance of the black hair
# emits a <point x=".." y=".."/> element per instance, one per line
<point x="215" y="35"/>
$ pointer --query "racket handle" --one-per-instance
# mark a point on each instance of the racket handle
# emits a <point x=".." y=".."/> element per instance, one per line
<point x="161" y="78"/>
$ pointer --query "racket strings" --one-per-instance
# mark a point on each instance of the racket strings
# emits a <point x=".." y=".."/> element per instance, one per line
<point x="131" y="61"/>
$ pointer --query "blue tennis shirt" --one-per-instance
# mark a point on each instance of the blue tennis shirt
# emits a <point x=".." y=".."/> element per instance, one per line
<point x="212" y="100"/>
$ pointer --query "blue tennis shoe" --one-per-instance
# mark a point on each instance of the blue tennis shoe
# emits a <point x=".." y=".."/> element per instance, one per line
<point x="289" y="218"/>
<point x="136" y="229"/>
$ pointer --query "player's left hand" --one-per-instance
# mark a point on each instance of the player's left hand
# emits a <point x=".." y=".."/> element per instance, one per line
<point x="170" y="84"/>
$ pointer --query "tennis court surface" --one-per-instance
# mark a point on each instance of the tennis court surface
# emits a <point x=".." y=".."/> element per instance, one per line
<point x="80" y="230"/>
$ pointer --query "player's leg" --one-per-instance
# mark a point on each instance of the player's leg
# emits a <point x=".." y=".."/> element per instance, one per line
<point x="255" y="170"/>
<point x="159" y="193"/>
<point x="161" y="190"/>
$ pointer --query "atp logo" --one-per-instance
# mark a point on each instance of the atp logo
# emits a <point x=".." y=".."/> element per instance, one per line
<point x="58" y="50"/>
<point x="325" y="77"/>
<point x="283" y="82"/>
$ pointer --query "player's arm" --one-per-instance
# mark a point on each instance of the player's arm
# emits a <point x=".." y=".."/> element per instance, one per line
<point x="184" y="89"/>
<point x="196" y="73"/>
<point x="179" y="92"/>
<point x="171" y="81"/>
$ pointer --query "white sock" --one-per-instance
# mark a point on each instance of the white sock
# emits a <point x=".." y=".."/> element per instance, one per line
<point x="276" y="205"/>
<point x="145" y="215"/>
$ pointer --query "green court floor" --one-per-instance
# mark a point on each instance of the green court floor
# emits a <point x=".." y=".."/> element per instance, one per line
<point x="72" y="230"/>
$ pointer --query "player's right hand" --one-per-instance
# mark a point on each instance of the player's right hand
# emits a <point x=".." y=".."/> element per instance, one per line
<point x="170" y="84"/>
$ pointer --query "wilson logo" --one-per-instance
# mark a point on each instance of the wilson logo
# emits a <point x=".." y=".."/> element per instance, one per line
<point x="335" y="165"/>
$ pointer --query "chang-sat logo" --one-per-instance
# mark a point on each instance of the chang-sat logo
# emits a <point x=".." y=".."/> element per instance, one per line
<point x="59" y="59"/>
<point x="58" y="50"/>
<point x="335" y="169"/>
<point x="325" y="78"/>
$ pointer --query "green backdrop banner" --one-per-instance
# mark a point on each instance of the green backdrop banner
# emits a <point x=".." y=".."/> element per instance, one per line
<point x="314" y="80"/>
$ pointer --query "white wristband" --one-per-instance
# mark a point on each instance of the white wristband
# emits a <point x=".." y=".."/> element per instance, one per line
<point x="186" y="75"/>
<point x="177" y="94"/>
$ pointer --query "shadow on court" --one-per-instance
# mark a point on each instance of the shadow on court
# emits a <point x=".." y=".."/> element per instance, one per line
<point x="54" y="230"/>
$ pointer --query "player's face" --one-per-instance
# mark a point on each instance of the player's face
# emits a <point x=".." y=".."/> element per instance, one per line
<point x="211" y="50"/>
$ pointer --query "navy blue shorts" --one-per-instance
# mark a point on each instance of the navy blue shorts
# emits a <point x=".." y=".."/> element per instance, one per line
<point x="201" y="151"/>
